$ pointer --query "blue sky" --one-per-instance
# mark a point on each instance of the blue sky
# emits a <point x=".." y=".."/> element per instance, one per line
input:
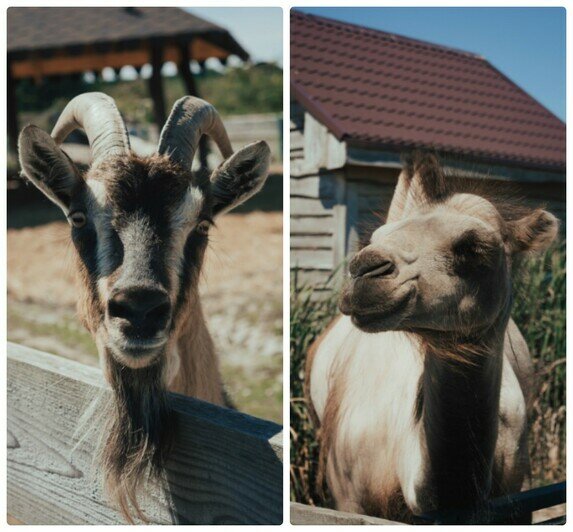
<point x="526" y="44"/>
<point x="259" y="30"/>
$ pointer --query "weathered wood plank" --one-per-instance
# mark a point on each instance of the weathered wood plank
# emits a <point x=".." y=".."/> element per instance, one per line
<point x="296" y="154"/>
<point x="322" y="150"/>
<point x="314" y="187"/>
<point x="301" y="514"/>
<point x="385" y="159"/>
<point x="226" y="467"/>
<point x="314" y="225"/>
<point x="311" y="242"/>
<point x="299" y="167"/>
<point x="319" y="259"/>
<point x="296" y="139"/>
<point x="340" y="219"/>
<point x="306" y="187"/>
<point x="311" y="207"/>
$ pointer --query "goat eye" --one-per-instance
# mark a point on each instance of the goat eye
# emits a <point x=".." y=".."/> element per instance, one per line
<point x="78" y="219"/>
<point x="203" y="227"/>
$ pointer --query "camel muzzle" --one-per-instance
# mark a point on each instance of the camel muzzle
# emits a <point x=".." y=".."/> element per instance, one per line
<point x="370" y="263"/>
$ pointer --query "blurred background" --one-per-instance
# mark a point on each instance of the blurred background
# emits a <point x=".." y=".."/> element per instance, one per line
<point x="147" y="58"/>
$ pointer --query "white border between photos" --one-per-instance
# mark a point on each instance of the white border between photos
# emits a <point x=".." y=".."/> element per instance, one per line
<point x="286" y="6"/>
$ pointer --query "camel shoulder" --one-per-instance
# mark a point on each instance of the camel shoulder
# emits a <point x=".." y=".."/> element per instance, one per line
<point x="517" y="353"/>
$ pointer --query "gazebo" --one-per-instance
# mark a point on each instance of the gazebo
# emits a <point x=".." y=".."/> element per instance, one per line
<point x="45" y="42"/>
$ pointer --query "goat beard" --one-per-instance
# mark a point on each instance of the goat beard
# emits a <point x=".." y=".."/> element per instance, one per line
<point x="139" y="432"/>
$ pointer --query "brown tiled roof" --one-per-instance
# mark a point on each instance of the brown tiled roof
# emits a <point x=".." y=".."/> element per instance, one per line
<point x="377" y="89"/>
<point x="46" y="29"/>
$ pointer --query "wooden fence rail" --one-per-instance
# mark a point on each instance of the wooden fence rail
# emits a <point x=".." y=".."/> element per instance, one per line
<point x="226" y="467"/>
<point x="303" y="514"/>
<point x="497" y="510"/>
<point x="514" y="505"/>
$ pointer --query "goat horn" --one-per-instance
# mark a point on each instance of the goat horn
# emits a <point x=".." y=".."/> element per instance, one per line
<point x="191" y="118"/>
<point x="97" y="114"/>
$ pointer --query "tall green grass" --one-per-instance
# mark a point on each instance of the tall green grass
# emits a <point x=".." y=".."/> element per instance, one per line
<point x="310" y="313"/>
<point x="539" y="311"/>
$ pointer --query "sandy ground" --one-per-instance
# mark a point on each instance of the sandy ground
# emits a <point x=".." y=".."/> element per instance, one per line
<point x="242" y="297"/>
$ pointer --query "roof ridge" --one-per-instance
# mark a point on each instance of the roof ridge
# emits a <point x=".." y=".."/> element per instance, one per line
<point x="396" y="36"/>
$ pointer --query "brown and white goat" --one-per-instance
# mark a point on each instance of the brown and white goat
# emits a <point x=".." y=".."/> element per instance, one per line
<point x="420" y="388"/>
<point x="139" y="226"/>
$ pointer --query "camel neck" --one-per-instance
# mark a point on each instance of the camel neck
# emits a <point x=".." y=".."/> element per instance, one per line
<point x="460" y="389"/>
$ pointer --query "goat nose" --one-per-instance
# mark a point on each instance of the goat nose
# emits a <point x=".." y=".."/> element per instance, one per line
<point x="371" y="264"/>
<point x="146" y="308"/>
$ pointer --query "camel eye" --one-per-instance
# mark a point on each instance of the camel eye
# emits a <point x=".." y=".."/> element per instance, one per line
<point x="78" y="219"/>
<point x="473" y="254"/>
<point x="203" y="227"/>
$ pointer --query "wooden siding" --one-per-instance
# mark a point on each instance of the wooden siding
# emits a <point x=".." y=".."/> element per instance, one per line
<point x="335" y="205"/>
<point x="312" y="227"/>
<point x="312" y="201"/>
<point x="368" y="198"/>
<point x="296" y="137"/>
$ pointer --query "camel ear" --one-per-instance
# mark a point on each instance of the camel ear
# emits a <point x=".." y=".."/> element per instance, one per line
<point x="240" y="177"/>
<point x="47" y="166"/>
<point x="421" y="182"/>
<point x="534" y="232"/>
<point x="399" y="198"/>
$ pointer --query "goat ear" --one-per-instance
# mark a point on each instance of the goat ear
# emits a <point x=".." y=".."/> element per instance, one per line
<point x="534" y="232"/>
<point x="239" y="177"/>
<point x="47" y="166"/>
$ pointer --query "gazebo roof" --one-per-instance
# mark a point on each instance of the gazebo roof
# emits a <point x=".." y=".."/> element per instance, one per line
<point x="384" y="91"/>
<point x="62" y="40"/>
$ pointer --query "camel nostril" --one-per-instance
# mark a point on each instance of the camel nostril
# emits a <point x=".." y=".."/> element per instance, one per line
<point x="145" y="310"/>
<point x="377" y="269"/>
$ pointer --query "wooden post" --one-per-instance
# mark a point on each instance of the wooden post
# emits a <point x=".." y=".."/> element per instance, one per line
<point x="12" y="109"/>
<point x="156" y="86"/>
<point x="184" y="68"/>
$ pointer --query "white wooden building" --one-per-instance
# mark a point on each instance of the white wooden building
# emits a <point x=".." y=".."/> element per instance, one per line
<point x="350" y="126"/>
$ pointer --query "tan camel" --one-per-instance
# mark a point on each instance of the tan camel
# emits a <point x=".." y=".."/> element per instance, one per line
<point x="421" y="387"/>
<point x="140" y="230"/>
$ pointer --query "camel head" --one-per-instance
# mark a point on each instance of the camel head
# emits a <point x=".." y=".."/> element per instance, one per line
<point x="139" y="226"/>
<point x="442" y="262"/>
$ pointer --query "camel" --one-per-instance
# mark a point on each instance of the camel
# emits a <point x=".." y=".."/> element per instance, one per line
<point x="420" y="388"/>
<point x="139" y="227"/>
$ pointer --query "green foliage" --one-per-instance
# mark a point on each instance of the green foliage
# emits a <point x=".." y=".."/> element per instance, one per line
<point x="241" y="90"/>
<point x="310" y="313"/>
<point x="258" y="89"/>
<point x="539" y="311"/>
<point x="33" y="98"/>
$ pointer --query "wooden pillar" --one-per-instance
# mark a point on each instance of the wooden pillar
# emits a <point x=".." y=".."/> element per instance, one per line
<point x="156" y="86"/>
<point x="184" y="67"/>
<point x="12" y="109"/>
